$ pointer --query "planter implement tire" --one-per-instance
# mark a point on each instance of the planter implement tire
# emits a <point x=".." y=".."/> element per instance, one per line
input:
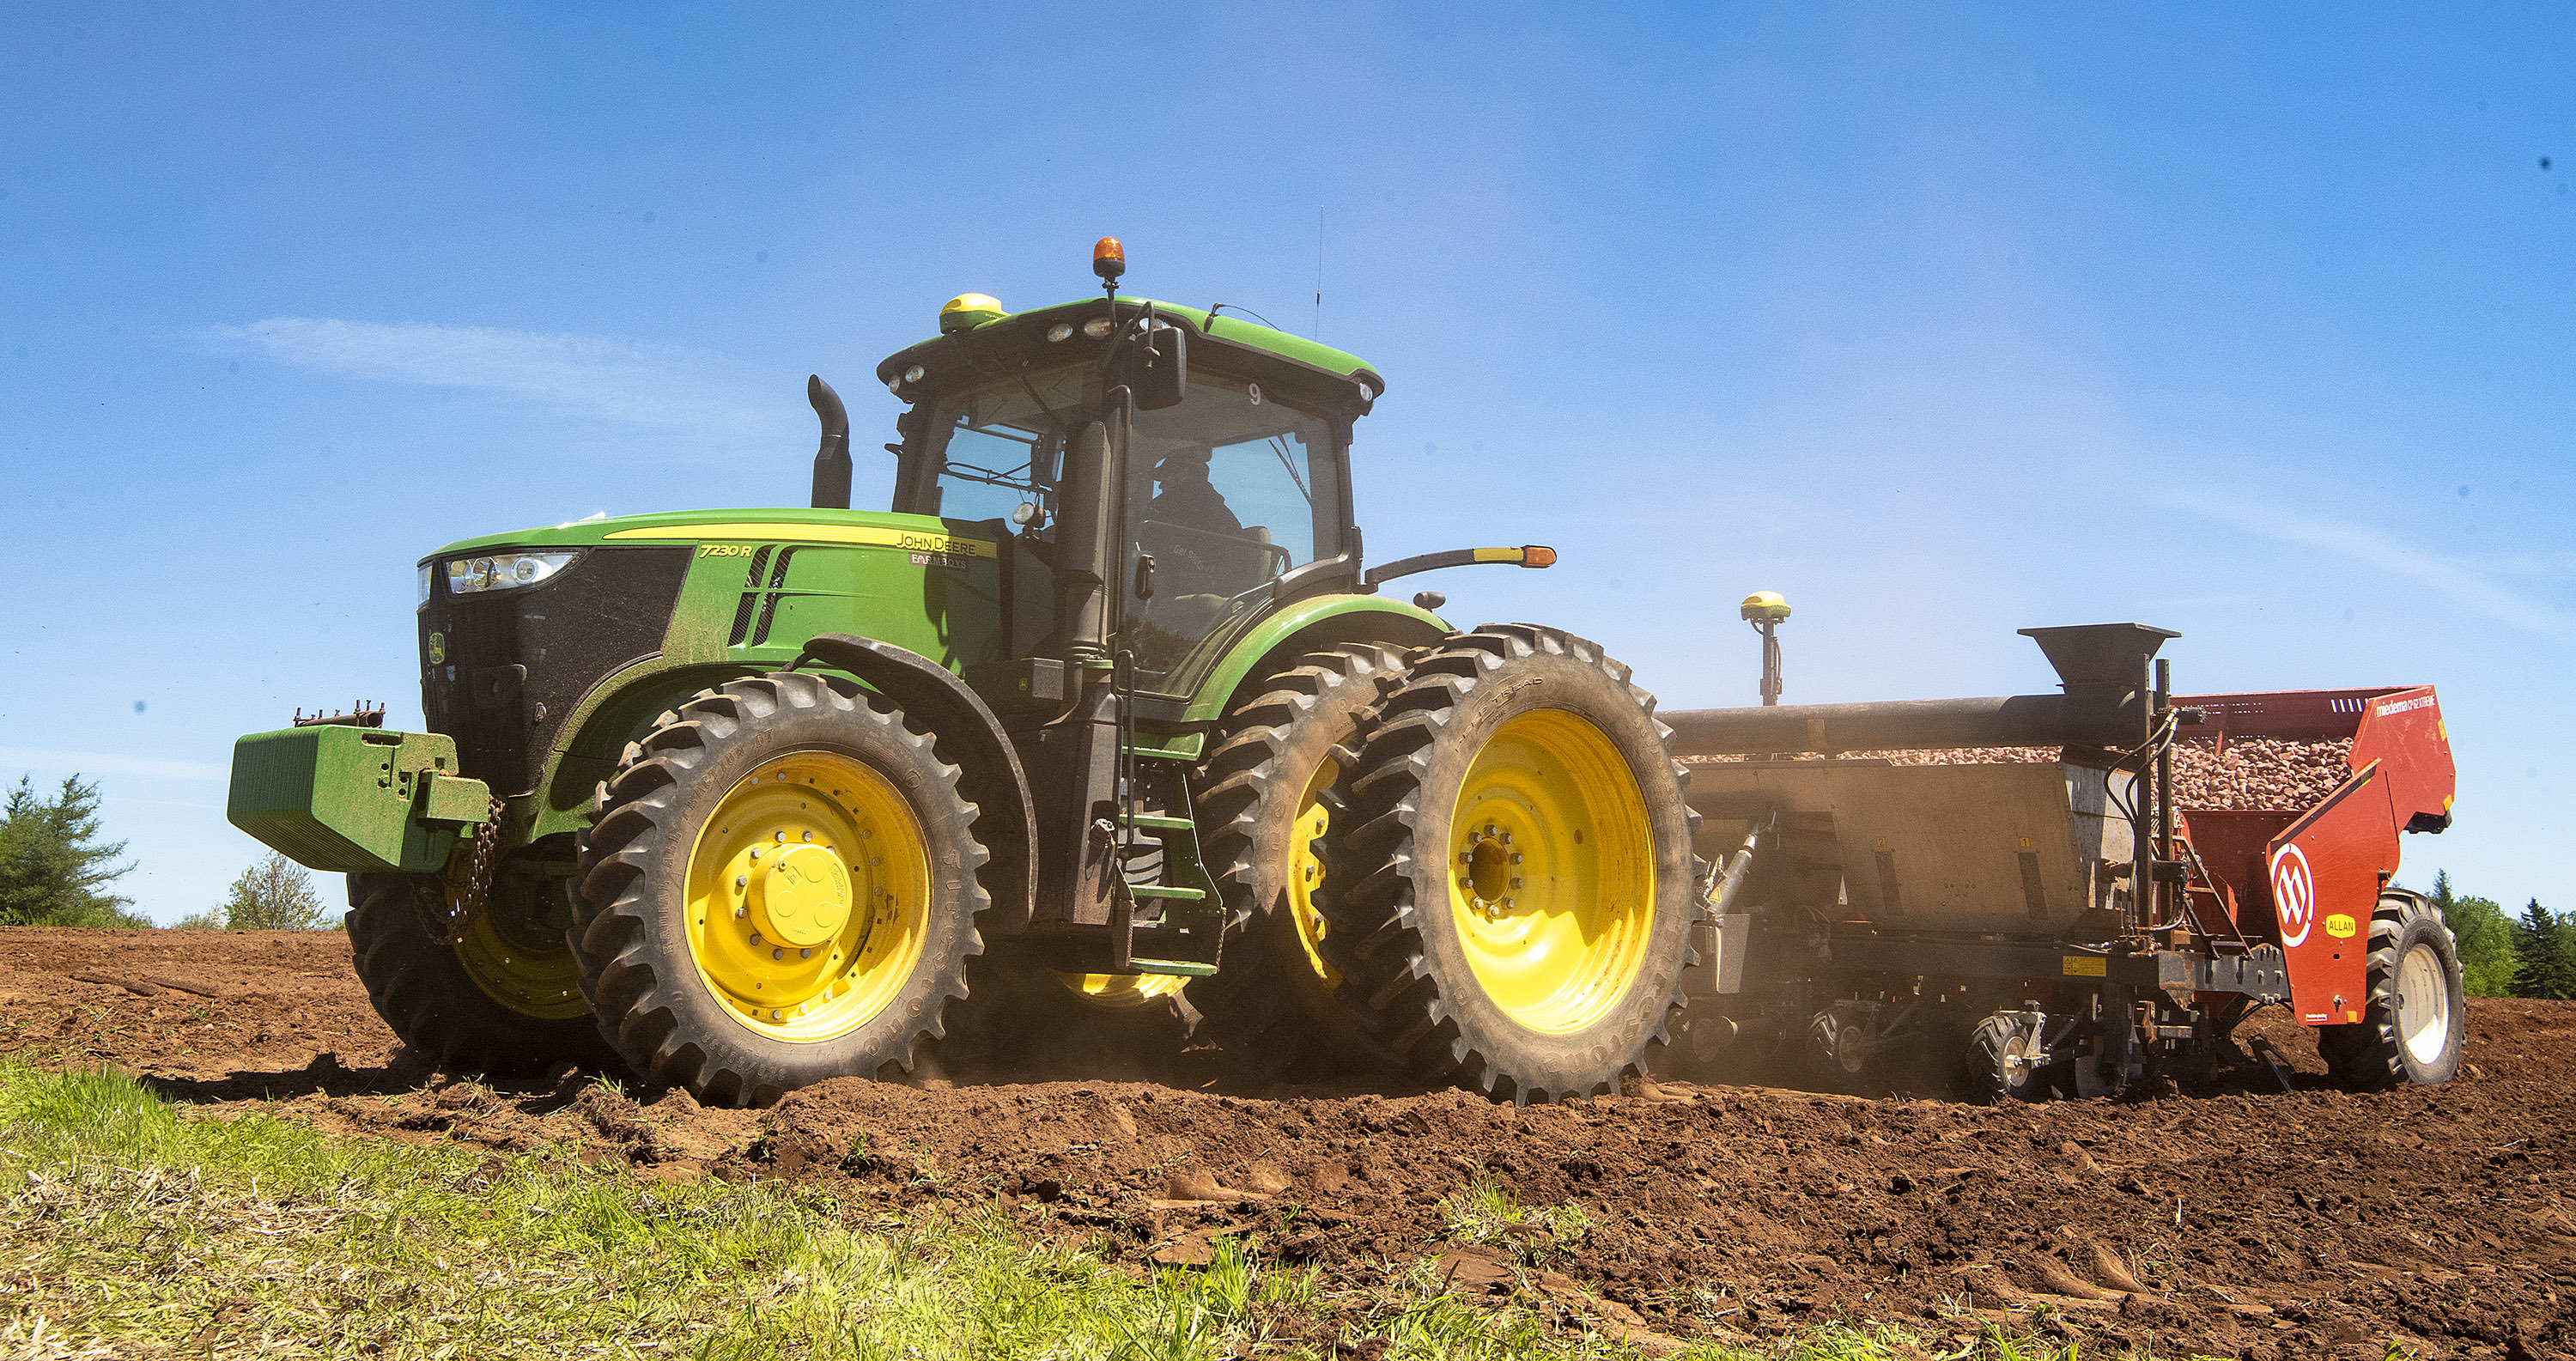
<point x="2412" y="1018"/>
<point x="1270" y="810"/>
<point x="2004" y="1058"/>
<point x="1525" y="920"/>
<point x="1842" y="1048"/>
<point x="781" y="887"/>
<point x="502" y="1001"/>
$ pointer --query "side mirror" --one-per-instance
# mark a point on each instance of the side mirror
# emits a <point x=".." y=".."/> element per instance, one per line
<point x="1158" y="368"/>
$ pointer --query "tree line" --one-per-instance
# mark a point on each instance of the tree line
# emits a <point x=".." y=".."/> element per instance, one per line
<point x="2529" y="954"/>
<point x="54" y="871"/>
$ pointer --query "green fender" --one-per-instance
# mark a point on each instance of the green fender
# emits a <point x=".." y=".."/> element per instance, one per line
<point x="1316" y="621"/>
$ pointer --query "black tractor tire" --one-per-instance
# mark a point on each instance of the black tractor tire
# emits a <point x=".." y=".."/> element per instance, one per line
<point x="1023" y="1020"/>
<point x="2416" y="1007"/>
<point x="1999" y="1065"/>
<point x="1510" y="728"/>
<point x="1271" y="813"/>
<point x="424" y="991"/>
<point x="652" y="958"/>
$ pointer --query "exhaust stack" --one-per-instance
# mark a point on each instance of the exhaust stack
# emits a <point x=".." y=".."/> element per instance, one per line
<point x="832" y="460"/>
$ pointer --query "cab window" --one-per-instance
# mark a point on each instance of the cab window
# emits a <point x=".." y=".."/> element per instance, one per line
<point x="1227" y="492"/>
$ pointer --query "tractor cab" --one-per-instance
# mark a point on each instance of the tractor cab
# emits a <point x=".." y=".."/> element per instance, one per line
<point x="1227" y="487"/>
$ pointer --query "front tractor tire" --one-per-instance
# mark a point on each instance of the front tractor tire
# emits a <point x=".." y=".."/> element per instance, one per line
<point x="502" y="1001"/>
<point x="781" y="887"/>
<point x="2416" y="1006"/>
<point x="1526" y="920"/>
<point x="1268" y="802"/>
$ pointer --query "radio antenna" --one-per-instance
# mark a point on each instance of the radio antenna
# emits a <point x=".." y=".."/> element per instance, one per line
<point x="1319" y="273"/>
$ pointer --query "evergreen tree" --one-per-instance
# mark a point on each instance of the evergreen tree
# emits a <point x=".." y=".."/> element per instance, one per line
<point x="52" y="870"/>
<point x="2544" y="944"/>
<point x="2485" y="937"/>
<point x="274" y="895"/>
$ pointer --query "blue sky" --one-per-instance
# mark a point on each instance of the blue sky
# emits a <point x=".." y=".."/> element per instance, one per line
<point x="2254" y="322"/>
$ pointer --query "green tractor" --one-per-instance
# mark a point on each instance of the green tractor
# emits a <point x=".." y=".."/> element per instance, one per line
<point x="1103" y="709"/>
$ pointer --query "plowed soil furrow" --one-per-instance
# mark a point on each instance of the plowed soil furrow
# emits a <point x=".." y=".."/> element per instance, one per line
<point x="2254" y="1222"/>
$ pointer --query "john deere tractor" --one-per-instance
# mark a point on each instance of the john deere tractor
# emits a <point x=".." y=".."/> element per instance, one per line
<point x="1103" y="707"/>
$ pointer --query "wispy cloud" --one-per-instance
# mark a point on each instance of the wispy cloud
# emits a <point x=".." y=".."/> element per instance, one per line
<point x="623" y="380"/>
<point x="33" y="760"/>
<point x="2468" y="584"/>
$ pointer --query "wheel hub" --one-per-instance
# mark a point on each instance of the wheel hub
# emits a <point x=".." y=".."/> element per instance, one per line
<point x="2423" y="1004"/>
<point x="1489" y="872"/>
<point x="802" y="896"/>
<point x="1851" y="1048"/>
<point x="808" y="896"/>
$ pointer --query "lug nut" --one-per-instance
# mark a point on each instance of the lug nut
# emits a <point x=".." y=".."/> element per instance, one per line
<point x="1507" y="902"/>
<point x="756" y="940"/>
<point x="742" y="911"/>
<point x="782" y="836"/>
<point x="1516" y="883"/>
<point x="1507" y="838"/>
<point x="809" y="836"/>
<point x="742" y="881"/>
<point x="755" y="854"/>
<point x="1516" y="857"/>
<point x="778" y="954"/>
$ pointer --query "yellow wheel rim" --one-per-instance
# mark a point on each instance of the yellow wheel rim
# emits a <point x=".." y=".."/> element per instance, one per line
<point x="1552" y="872"/>
<point x="1119" y="992"/>
<point x="1306" y="869"/>
<point x="808" y="897"/>
<point x="540" y="982"/>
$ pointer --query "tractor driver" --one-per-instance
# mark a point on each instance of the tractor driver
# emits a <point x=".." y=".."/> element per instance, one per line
<point x="1187" y="498"/>
<point x="1202" y="555"/>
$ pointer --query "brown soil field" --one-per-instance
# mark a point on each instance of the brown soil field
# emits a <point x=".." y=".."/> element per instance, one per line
<point x="2243" y="1221"/>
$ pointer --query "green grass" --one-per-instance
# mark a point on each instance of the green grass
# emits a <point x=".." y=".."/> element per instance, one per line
<point x="129" y="1223"/>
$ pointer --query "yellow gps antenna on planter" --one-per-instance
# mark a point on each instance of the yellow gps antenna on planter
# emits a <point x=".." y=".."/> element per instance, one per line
<point x="1765" y="610"/>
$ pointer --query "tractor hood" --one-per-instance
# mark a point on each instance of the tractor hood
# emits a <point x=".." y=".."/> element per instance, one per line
<point x="524" y="636"/>
<point x="761" y="524"/>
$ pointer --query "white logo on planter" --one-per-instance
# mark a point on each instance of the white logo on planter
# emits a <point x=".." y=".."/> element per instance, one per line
<point x="2294" y="894"/>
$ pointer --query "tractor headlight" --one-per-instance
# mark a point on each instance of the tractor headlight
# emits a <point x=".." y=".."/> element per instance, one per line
<point x="503" y="571"/>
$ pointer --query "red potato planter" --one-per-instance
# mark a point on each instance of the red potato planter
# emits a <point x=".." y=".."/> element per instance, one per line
<point x="2114" y="879"/>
